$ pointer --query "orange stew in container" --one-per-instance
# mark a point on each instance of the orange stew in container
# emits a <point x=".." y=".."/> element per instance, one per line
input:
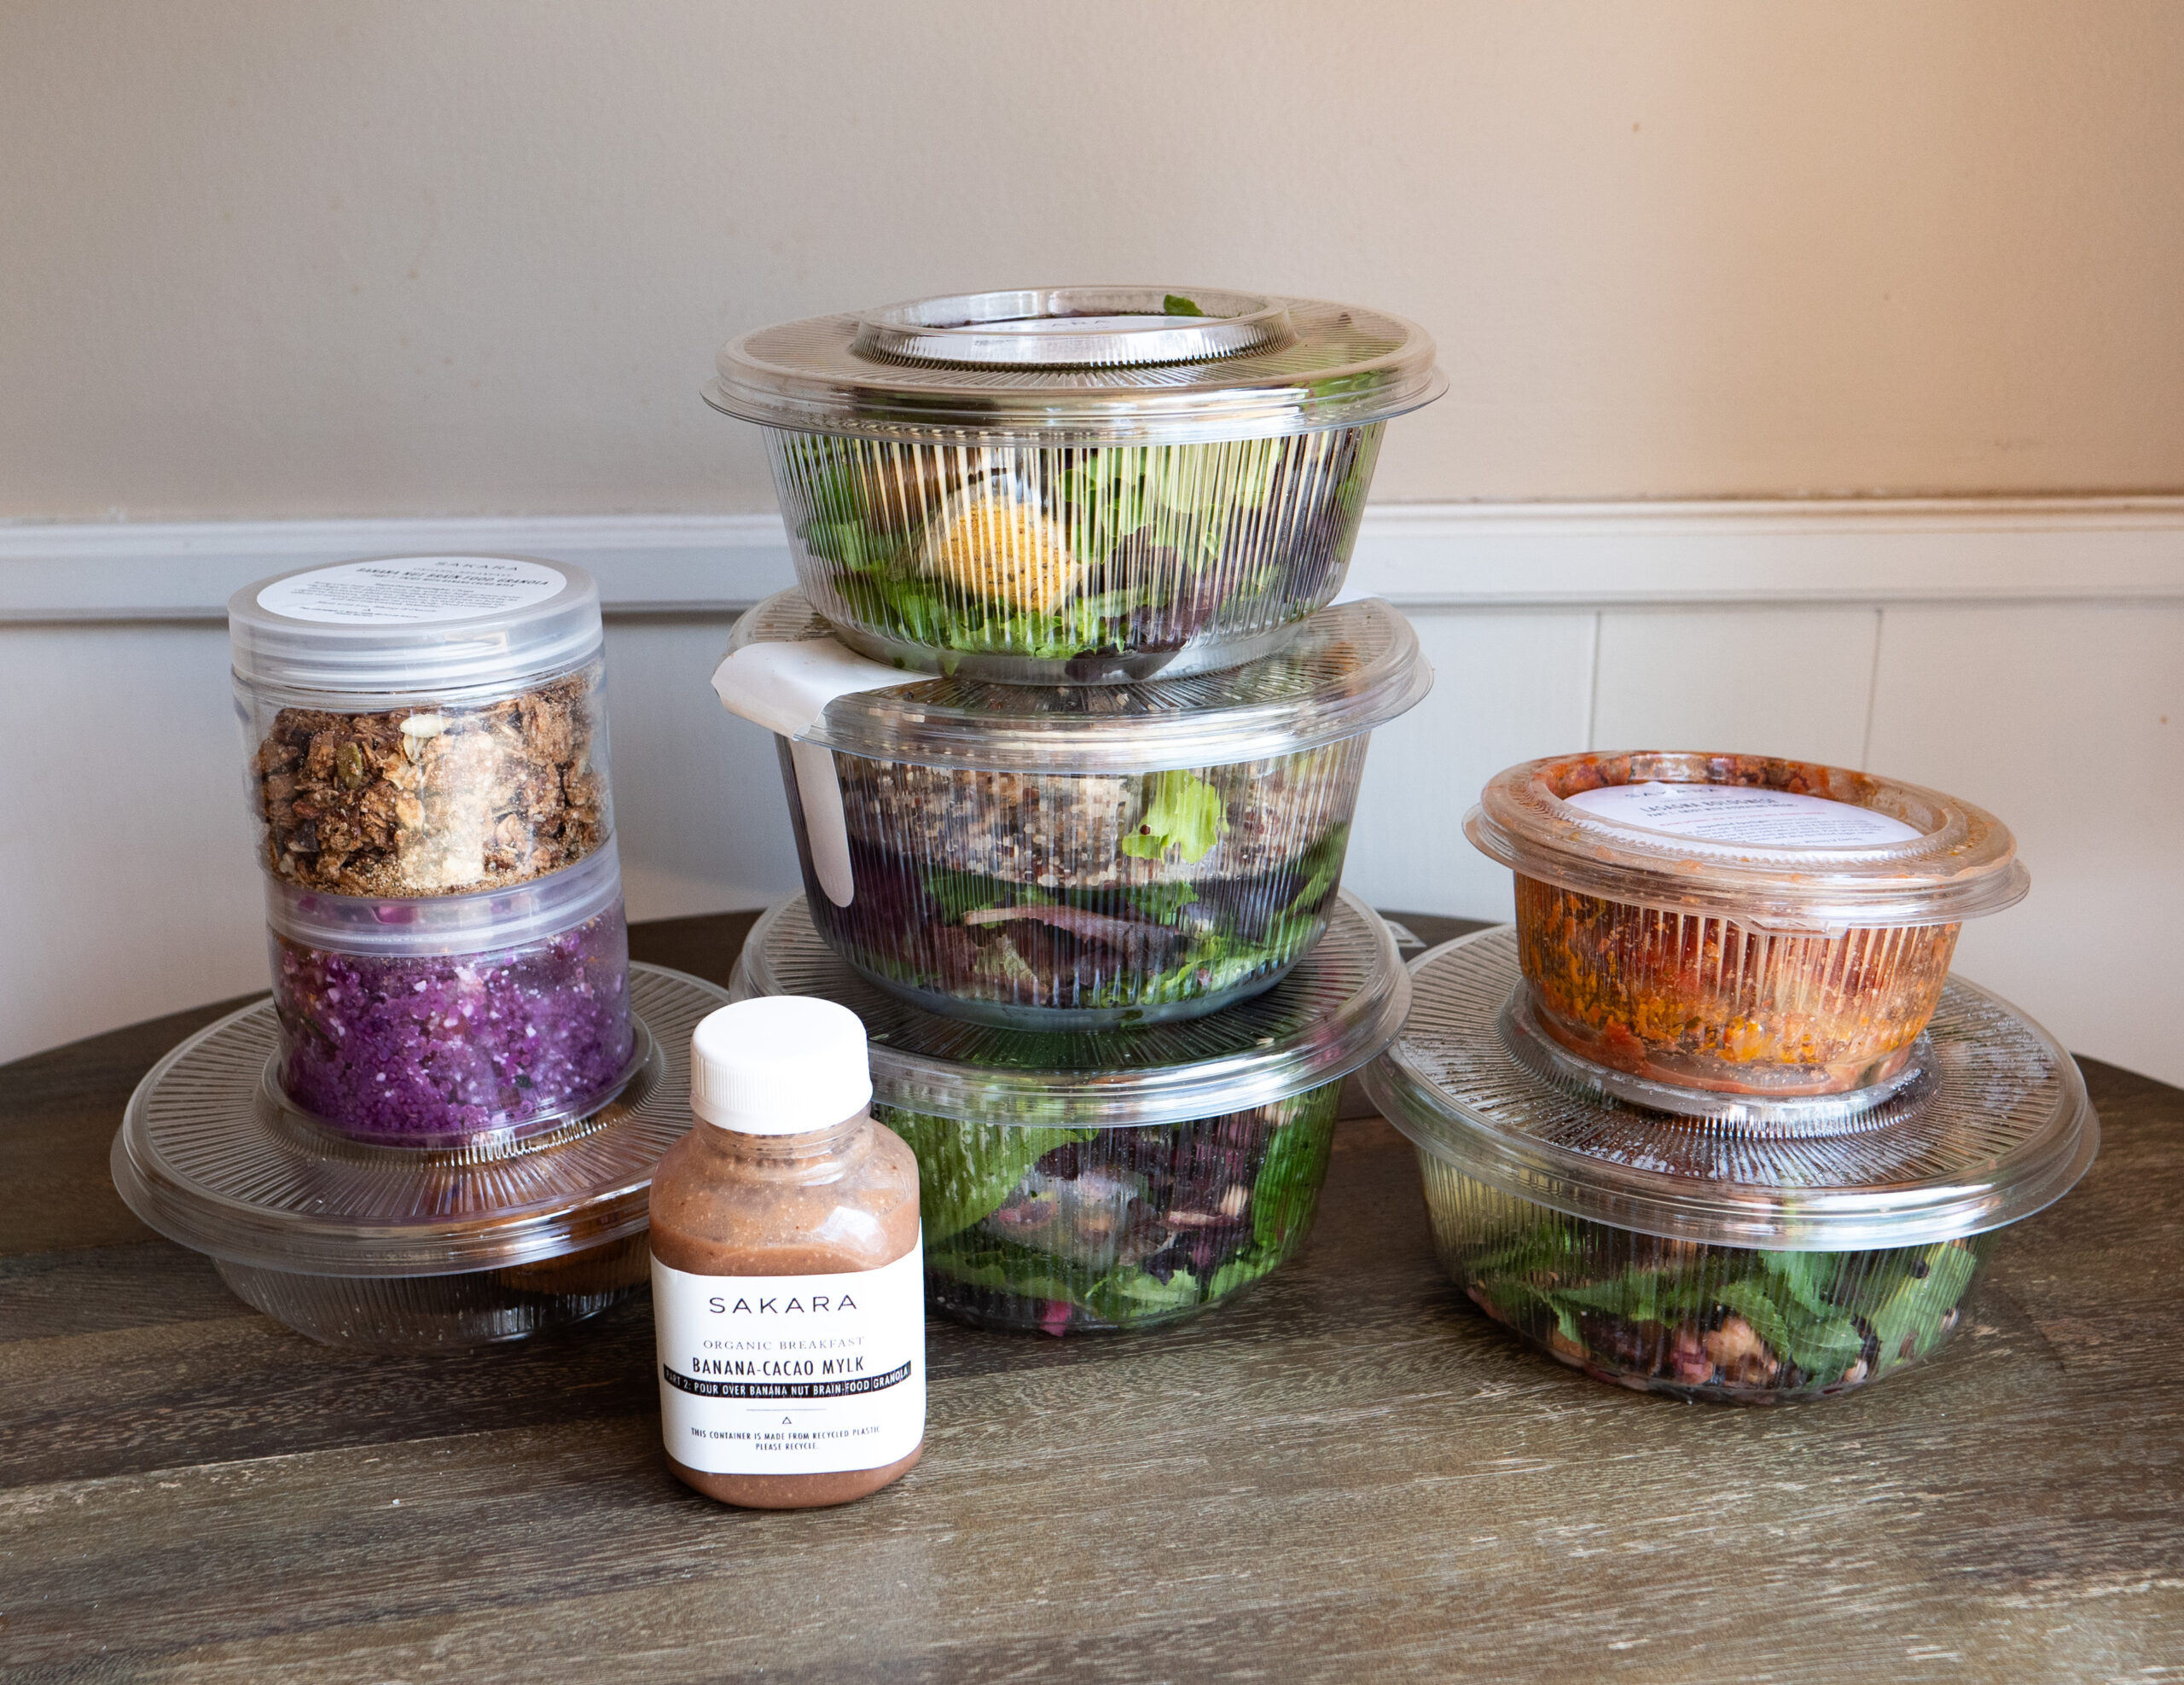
<point x="1739" y="923"/>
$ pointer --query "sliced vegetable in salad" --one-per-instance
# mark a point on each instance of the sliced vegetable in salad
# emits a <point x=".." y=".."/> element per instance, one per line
<point x="1067" y="1229"/>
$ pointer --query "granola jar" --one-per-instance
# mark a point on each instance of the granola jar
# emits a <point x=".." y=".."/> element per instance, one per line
<point x="451" y="1020"/>
<point x="1066" y="857"/>
<point x="1075" y="484"/>
<point x="422" y="725"/>
<point x="1075" y="1182"/>
<point x="393" y="1249"/>
<point x="1761" y="1252"/>
<point x="1738" y="923"/>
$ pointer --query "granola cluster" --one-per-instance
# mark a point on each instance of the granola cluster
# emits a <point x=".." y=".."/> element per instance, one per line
<point x="419" y="801"/>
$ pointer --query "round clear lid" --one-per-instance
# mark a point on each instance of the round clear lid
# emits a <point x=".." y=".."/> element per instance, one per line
<point x="396" y="627"/>
<point x="1782" y="844"/>
<point x="1081" y="365"/>
<point x="507" y="917"/>
<point x="1349" y="668"/>
<point x="1337" y="1006"/>
<point x="209" y="1157"/>
<point x="2002" y="1128"/>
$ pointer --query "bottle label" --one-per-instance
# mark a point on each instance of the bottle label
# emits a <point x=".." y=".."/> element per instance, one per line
<point x="1739" y="813"/>
<point x="792" y="1375"/>
<point x="410" y="589"/>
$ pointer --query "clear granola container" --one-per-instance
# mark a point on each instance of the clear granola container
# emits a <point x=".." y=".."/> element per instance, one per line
<point x="1063" y="858"/>
<point x="397" y="1249"/>
<point x="1736" y="923"/>
<point x="422" y="725"/>
<point x="1752" y="1251"/>
<point x="457" y="1019"/>
<point x="1077" y="1182"/>
<point x="1076" y="484"/>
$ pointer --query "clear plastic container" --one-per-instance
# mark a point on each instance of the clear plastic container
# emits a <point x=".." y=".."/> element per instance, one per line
<point x="1738" y="923"/>
<point x="451" y="1021"/>
<point x="1758" y="1251"/>
<point x="394" y="1249"/>
<point x="1075" y="484"/>
<point x="1078" y="1182"/>
<point x="422" y="725"/>
<point x="1062" y="858"/>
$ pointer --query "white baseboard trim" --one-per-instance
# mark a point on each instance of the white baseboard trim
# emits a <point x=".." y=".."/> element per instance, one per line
<point x="1424" y="555"/>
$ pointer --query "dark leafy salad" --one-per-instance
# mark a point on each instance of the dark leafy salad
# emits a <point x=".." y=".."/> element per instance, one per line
<point x="1102" y="562"/>
<point x="1719" y="1322"/>
<point x="1120" y="896"/>
<point x="1066" y="1230"/>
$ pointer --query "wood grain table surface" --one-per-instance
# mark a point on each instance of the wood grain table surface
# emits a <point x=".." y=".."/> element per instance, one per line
<point x="1345" y="1473"/>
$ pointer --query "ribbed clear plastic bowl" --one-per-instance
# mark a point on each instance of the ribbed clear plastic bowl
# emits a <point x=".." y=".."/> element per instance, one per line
<point x="1073" y="1182"/>
<point x="1062" y="858"/>
<point x="1075" y="484"/>
<point x="454" y="1021"/>
<point x="402" y="1249"/>
<point x="1761" y="1252"/>
<point x="1737" y="954"/>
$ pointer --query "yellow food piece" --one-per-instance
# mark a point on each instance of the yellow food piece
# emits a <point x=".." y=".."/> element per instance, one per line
<point x="1006" y="550"/>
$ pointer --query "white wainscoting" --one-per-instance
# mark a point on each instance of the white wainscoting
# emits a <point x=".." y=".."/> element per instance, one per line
<point x="2027" y="655"/>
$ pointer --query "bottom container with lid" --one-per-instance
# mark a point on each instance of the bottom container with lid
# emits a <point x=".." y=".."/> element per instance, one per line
<point x="1106" y="1180"/>
<point x="1746" y="1251"/>
<point x="398" y="1248"/>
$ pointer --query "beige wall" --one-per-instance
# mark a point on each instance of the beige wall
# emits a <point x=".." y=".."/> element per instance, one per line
<point x="300" y="256"/>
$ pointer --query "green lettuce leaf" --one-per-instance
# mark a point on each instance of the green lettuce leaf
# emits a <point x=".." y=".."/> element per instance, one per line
<point x="1185" y="814"/>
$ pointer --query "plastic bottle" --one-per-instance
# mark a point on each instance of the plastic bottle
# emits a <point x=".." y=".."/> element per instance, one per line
<point x="788" y="1285"/>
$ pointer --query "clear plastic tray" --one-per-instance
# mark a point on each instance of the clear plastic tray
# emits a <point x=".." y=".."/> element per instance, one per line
<point x="1060" y="858"/>
<point x="1118" y="1180"/>
<point x="422" y="725"/>
<point x="393" y="1249"/>
<point x="452" y="1021"/>
<point x="1761" y="1252"/>
<point x="1075" y="484"/>
<point x="1772" y="966"/>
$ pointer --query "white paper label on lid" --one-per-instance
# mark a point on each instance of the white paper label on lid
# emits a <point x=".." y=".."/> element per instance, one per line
<point x="1739" y="813"/>
<point x="792" y="1375"/>
<point x="407" y="590"/>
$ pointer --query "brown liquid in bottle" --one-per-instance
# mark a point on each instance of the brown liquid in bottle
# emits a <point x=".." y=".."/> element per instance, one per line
<point x="826" y="1202"/>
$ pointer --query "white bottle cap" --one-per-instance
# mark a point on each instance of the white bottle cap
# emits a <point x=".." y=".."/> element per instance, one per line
<point x="780" y="1064"/>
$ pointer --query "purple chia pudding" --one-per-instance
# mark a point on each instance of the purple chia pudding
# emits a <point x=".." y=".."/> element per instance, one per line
<point x="440" y="1050"/>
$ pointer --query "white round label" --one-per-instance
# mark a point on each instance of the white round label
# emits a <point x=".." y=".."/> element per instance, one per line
<point x="408" y="589"/>
<point x="1739" y="813"/>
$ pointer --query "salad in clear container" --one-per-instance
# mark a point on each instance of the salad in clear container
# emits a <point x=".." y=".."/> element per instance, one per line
<point x="1739" y="923"/>
<point x="1075" y="1182"/>
<point x="1067" y="857"/>
<point x="1762" y="1251"/>
<point x="1075" y="484"/>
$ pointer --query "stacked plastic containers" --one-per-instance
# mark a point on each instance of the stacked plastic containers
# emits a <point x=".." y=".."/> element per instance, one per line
<point x="426" y="769"/>
<point x="1072" y="738"/>
<point x="1712" y="1117"/>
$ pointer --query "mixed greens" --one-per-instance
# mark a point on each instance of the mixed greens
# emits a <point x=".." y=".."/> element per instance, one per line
<point x="1065" y="1229"/>
<point x="1103" y="560"/>
<point x="1718" y="1321"/>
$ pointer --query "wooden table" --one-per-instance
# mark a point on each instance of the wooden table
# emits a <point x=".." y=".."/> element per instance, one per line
<point x="1346" y="1473"/>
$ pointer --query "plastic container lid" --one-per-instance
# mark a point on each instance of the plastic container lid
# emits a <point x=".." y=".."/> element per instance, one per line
<point x="1349" y="668"/>
<point x="2003" y="1129"/>
<point x="784" y="1065"/>
<point x="1960" y="862"/>
<point x="415" y="626"/>
<point x="208" y="1157"/>
<point x="1338" y="1006"/>
<point x="1081" y="365"/>
<point x="530" y="911"/>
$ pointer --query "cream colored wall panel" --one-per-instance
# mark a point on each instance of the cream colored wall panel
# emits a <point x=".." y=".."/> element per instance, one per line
<point x="1755" y="681"/>
<point x="125" y="867"/>
<point x="1506" y="686"/>
<point x="2068" y="722"/>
